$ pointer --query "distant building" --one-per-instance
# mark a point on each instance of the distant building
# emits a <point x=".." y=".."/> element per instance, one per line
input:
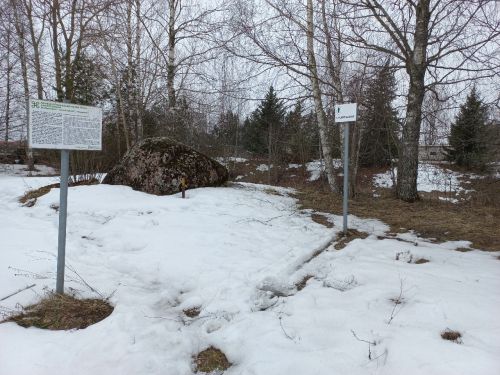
<point x="431" y="153"/>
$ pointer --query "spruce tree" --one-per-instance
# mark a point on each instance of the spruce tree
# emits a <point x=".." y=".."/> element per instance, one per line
<point x="379" y="120"/>
<point x="85" y="83"/>
<point x="466" y="141"/>
<point x="226" y="129"/>
<point x="301" y="135"/>
<point x="264" y="126"/>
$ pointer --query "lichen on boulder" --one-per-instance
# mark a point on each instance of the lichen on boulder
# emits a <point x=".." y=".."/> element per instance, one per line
<point x="157" y="165"/>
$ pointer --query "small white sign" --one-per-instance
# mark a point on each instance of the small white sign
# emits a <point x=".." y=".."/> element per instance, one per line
<point x="63" y="126"/>
<point x="346" y="112"/>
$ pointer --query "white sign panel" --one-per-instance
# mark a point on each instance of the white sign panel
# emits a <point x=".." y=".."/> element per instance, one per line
<point x="346" y="112"/>
<point x="63" y="126"/>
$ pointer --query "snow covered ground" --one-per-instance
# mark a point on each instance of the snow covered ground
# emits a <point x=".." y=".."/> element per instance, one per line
<point x="21" y="170"/>
<point x="431" y="177"/>
<point x="237" y="253"/>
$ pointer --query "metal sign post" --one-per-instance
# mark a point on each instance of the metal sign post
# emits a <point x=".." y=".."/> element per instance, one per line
<point x="63" y="209"/>
<point x="346" y="177"/>
<point x="65" y="127"/>
<point x="346" y="113"/>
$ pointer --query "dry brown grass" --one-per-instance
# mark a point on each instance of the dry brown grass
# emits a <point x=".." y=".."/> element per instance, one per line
<point x="302" y="283"/>
<point x="210" y="360"/>
<point x="279" y="176"/>
<point x="451" y="335"/>
<point x="193" y="312"/>
<point x="321" y="219"/>
<point x="421" y="261"/>
<point x="352" y="234"/>
<point x="476" y="220"/>
<point x="431" y="219"/>
<point x="30" y="197"/>
<point x="61" y="312"/>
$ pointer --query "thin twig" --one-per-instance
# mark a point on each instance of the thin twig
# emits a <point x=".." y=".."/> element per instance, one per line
<point x="283" y="329"/>
<point x="69" y="267"/>
<point x="397" y="301"/>
<point x="19" y="291"/>
<point x="370" y="343"/>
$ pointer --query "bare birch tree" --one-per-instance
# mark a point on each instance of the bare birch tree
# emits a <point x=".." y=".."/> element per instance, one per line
<point x="436" y="42"/>
<point x="320" y="112"/>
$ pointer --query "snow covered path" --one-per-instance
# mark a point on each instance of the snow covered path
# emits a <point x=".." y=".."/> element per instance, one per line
<point x="230" y="251"/>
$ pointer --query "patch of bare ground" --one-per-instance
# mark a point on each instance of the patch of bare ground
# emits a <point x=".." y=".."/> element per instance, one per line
<point x="344" y="239"/>
<point x="192" y="312"/>
<point x="476" y="219"/>
<point x="62" y="312"/>
<point x="302" y="283"/>
<point x="30" y="197"/>
<point x="279" y="175"/>
<point x="421" y="261"/>
<point x="321" y="219"/>
<point x="451" y="335"/>
<point x="210" y="360"/>
<point x="442" y="221"/>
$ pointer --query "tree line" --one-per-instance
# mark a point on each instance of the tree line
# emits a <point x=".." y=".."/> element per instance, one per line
<point x="195" y="71"/>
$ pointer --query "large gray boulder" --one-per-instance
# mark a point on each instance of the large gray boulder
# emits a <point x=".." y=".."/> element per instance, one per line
<point x="156" y="166"/>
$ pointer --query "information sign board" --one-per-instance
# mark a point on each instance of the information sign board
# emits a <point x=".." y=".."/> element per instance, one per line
<point x="346" y="112"/>
<point x="63" y="126"/>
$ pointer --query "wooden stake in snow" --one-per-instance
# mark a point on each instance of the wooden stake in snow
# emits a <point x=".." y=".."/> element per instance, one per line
<point x="183" y="186"/>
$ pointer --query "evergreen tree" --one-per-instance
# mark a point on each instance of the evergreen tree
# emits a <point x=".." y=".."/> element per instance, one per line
<point x="467" y="137"/>
<point x="261" y="131"/>
<point x="85" y="84"/>
<point x="226" y="129"/>
<point x="301" y="135"/>
<point x="379" y="120"/>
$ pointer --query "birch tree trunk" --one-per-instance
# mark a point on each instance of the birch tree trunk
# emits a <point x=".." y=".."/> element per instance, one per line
<point x="55" y="48"/>
<point x="130" y="72"/>
<point x="138" y="92"/>
<point x="416" y="68"/>
<point x="24" y="72"/>
<point x="8" y="88"/>
<point x="320" y="111"/>
<point x="172" y="4"/>
<point x="35" y="43"/>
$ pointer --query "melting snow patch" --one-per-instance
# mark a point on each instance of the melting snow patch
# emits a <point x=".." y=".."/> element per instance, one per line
<point x="226" y="160"/>
<point x="263" y="168"/>
<point x="451" y="200"/>
<point x="317" y="167"/>
<point x="430" y="178"/>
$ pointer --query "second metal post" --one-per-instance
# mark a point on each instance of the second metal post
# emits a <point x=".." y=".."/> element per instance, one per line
<point x="346" y="174"/>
